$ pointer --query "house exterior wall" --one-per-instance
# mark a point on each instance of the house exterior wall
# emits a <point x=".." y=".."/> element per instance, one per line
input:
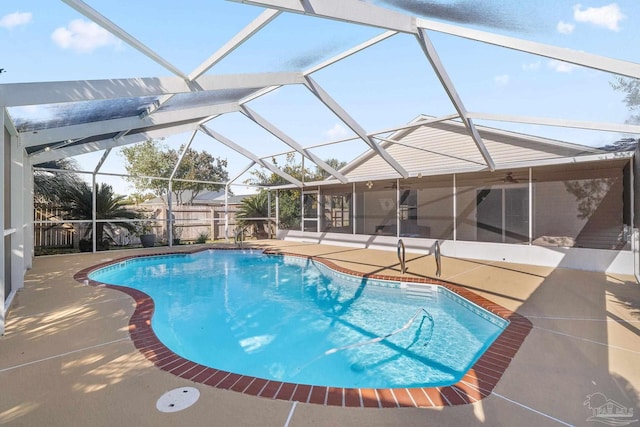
<point x="442" y="147"/>
<point x="575" y="209"/>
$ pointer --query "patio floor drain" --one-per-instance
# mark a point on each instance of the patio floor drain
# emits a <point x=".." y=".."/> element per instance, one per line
<point x="178" y="399"/>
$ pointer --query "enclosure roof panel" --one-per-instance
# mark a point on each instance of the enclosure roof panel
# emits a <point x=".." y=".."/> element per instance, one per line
<point x="366" y="66"/>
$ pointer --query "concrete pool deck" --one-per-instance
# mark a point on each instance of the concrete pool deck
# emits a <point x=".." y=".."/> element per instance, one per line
<point x="67" y="358"/>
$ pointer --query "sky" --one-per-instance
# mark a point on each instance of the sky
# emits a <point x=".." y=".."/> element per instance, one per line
<point x="386" y="85"/>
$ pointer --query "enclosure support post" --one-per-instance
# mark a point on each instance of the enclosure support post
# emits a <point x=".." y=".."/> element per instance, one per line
<point x="455" y="209"/>
<point x="530" y="206"/>
<point x="353" y="202"/>
<point x="170" y="214"/>
<point x="18" y="220"/>
<point x="2" y="251"/>
<point x="170" y="220"/>
<point x="318" y="210"/>
<point x="226" y="212"/>
<point x="397" y="208"/>
<point x="93" y="198"/>
<point x="28" y="212"/>
<point x="277" y="211"/>
<point x="269" y="212"/>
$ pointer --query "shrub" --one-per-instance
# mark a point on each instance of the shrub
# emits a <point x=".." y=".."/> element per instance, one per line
<point x="203" y="236"/>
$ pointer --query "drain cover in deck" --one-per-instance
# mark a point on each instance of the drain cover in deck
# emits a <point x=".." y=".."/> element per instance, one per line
<point x="178" y="399"/>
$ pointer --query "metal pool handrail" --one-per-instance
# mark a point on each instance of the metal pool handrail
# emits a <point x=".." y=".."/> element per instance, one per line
<point x="378" y="339"/>
<point x="239" y="236"/>
<point x="401" y="257"/>
<point x="438" y="254"/>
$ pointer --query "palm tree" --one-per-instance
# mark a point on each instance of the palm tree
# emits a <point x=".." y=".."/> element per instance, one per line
<point x="255" y="206"/>
<point x="49" y="186"/>
<point x="78" y="201"/>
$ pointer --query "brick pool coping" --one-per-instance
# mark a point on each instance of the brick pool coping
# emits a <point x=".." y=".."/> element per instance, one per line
<point x="476" y="384"/>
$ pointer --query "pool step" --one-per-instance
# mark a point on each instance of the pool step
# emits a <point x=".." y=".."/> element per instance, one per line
<point x="419" y="290"/>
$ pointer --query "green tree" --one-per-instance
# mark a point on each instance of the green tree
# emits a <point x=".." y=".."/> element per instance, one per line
<point x="255" y="206"/>
<point x="50" y="187"/>
<point x="290" y="203"/>
<point x="137" y="198"/>
<point x="78" y="202"/>
<point x="631" y="87"/>
<point x="153" y="159"/>
<point x="334" y="163"/>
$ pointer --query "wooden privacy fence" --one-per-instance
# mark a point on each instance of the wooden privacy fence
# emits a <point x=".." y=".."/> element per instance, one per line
<point x="191" y="221"/>
<point x="51" y="235"/>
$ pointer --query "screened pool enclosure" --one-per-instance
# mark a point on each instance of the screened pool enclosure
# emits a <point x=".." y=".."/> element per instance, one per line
<point x="442" y="155"/>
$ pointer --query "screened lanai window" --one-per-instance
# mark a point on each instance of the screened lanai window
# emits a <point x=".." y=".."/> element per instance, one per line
<point x="336" y="210"/>
<point x="580" y="207"/>
<point x="310" y="210"/>
<point x="376" y="208"/>
<point x="434" y="208"/>
<point x="290" y="212"/>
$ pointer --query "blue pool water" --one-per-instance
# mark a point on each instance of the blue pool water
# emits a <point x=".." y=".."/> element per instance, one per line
<point x="290" y="319"/>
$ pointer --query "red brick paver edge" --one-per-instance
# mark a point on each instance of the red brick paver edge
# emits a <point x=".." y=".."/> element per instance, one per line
<point x="476" y="384"/>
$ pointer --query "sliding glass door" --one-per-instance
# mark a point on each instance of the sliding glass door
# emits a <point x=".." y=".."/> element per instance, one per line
<point x="502" y="215"/>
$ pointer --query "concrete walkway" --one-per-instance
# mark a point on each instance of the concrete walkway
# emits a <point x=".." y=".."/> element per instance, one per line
<point x="66" y="358"/>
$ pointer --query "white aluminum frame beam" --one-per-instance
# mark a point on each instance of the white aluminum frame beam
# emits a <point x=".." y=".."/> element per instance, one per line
<point x="249" y="155"/>
<point x="238" y="175"/>
<point x="186" y="148"/>
<point x="170" y="187"/>
<point x="364" y="13"/>
<point x="415" y="124"/>
<point x="20" y="94"/>
<point x="99" y="19"/>
<point x="325" y="64"/>
<point x="238" y="39"/>
<point x="19" y="193"/>
<point x="546" y="121"/>
<point x="8" y="123"/>
<point x="51" y="135"/>
<point x="90" y="147"/>
<point x="424" y="150"/>
<point x="353" y="11"/>
<point x="94" y="217"/>
<point x="584" y="59"/>
<point x="432" y="55"/>
<point x="352" y="51"/>
<point x="273" y="130"/>
<point x="3" y="297"/>
<point x="332" y="105"/>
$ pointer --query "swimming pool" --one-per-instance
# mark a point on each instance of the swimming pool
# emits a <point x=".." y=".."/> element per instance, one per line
<point x="294" y="320"/>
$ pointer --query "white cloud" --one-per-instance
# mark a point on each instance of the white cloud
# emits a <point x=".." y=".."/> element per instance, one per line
<point x="83" y="36"/>
<point x="501" y="80"/>
<point x="565" y="27"/>
<point x="606" y="16"/>
<point x="560" y="67"/>
<point x="337" y="131"/>
<point x="532" y="66"/>
<point x="15" y="19"/>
